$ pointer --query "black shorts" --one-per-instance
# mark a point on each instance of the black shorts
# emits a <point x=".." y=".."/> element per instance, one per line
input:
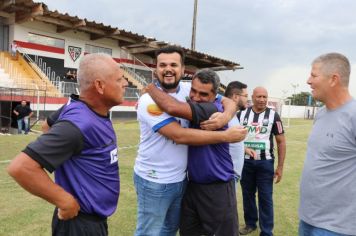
<point x="209" y="209"/>
<point x="82" y="224"/>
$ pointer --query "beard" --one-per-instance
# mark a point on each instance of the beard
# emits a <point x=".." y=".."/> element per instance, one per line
<point x="170" y="85"/>
<point x="164" y="85"/>
<point x="241" y="106"/>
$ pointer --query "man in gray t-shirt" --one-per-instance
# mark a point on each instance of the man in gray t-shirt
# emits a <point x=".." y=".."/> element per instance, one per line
<point x="328" y="184"/>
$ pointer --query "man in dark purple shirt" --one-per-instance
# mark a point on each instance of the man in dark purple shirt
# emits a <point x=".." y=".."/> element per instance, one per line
<point x="209" y="203"/>
<point x="82" y="152"/>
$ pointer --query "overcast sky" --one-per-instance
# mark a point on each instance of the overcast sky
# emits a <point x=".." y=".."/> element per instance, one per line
<point x="274" y="40"/>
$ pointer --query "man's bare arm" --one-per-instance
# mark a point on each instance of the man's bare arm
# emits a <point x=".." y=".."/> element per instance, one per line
<point x="30" y="175"/>
<point x="176" y="108"/>
<point x="45" y="127"/>
<point x="230" y="107"/>
<point x="188" y="136"/>
<point x="218" y="120"/>
<point x="281" y="147"/>
<point x="169" y="104"/>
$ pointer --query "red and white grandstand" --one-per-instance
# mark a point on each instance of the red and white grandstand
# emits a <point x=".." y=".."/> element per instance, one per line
<point x="50" y="45"/>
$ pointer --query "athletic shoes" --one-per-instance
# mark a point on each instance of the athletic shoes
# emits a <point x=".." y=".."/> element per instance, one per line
<point x="246" y="230"/>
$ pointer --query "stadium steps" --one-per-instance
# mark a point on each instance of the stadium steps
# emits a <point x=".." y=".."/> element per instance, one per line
<point x="24" y="76"/>
<point x="131" y="79"/>
<point x="5" y="80"/>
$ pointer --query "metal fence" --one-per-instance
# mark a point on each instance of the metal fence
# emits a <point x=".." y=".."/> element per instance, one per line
<point x="132" y="94"/>
<point x="68" y="88"/>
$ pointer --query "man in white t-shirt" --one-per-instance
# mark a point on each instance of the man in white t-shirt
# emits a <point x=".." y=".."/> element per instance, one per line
<point x="160" y="167"/>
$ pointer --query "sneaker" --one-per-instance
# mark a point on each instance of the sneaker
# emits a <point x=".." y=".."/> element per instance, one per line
<point x="246" y="230"/>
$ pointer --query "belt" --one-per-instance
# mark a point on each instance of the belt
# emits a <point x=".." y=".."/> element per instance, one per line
<point x="92" y="217"/>
<point x="213" y="182"/>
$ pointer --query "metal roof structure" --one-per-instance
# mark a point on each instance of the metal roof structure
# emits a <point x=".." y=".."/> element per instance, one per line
<point x="28" y="10"/>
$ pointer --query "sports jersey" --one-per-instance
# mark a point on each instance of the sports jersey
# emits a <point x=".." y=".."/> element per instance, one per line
<point x="261" y="127"/>
<point x="90" y="174"/>
<point x="159" y="159"/>
<point x="53" y="117"/>
<point x="214" y="162"/>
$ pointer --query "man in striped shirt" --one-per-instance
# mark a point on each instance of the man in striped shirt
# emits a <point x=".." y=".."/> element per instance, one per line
<point x="258" y="172"/>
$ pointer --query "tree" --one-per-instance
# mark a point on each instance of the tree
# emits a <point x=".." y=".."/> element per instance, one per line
<point x="302" y="99"/>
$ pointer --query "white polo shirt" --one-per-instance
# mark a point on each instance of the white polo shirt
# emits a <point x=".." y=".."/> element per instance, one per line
<point x="159" y="159"/>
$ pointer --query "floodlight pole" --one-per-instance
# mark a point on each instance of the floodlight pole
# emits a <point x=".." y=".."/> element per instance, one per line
<point x="295" y="86"/>
<point x="194" y="25"/>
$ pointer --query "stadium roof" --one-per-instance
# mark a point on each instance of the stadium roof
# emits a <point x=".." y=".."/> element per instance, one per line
<point x="28" y="10"/>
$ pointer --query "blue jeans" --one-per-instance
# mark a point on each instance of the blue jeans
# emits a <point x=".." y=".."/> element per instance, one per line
<point x="19" y="125"/>
<point x="306" y="229"/>
<point x="258" y="176"/>
<point x="158" y="207"/>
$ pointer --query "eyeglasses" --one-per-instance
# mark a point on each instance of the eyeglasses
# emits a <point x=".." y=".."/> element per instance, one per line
<point x="243" y="95"/>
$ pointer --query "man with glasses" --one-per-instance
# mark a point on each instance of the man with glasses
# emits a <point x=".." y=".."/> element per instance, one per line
<point x="237" y="91"/>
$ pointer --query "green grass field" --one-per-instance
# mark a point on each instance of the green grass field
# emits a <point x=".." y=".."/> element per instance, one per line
<point x="23" y="214"/>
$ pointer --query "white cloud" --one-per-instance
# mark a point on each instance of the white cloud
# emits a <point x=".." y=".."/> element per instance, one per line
<point x="275" y="41"/>
<point x="284" y="82"/>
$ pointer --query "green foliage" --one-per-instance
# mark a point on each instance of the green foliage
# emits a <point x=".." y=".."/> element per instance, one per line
<point x="302" y="99"/>
<point x="23" y="214"/>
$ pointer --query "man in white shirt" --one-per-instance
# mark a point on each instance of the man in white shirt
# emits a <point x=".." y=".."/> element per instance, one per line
<point x="160" y="168"/>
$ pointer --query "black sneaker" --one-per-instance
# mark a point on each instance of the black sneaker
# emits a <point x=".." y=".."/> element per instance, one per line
<point x="246" y="230"/>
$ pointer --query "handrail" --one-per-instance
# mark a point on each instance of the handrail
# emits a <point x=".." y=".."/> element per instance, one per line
<point x="36" y="76"/>
<point x="34" y="66"/>
<point x="140" y="63"/>
<point x="136" y="76"/>
<point x="46" y="71"/>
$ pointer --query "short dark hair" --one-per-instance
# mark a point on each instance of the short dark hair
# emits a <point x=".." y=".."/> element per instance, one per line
<point x="234" y="87"/>
<point x="171" y="49"/>
<point x="208" y="76"/>
<point x="335" y="63"/>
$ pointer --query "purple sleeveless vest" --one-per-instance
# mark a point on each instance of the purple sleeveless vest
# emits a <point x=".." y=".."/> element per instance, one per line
<point x="92" y="177"/>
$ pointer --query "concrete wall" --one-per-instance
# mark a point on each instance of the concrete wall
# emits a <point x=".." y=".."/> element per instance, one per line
<point x="20" y="32"/>
<point x="43" y="110"/>
<point x="289" y="111"/>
